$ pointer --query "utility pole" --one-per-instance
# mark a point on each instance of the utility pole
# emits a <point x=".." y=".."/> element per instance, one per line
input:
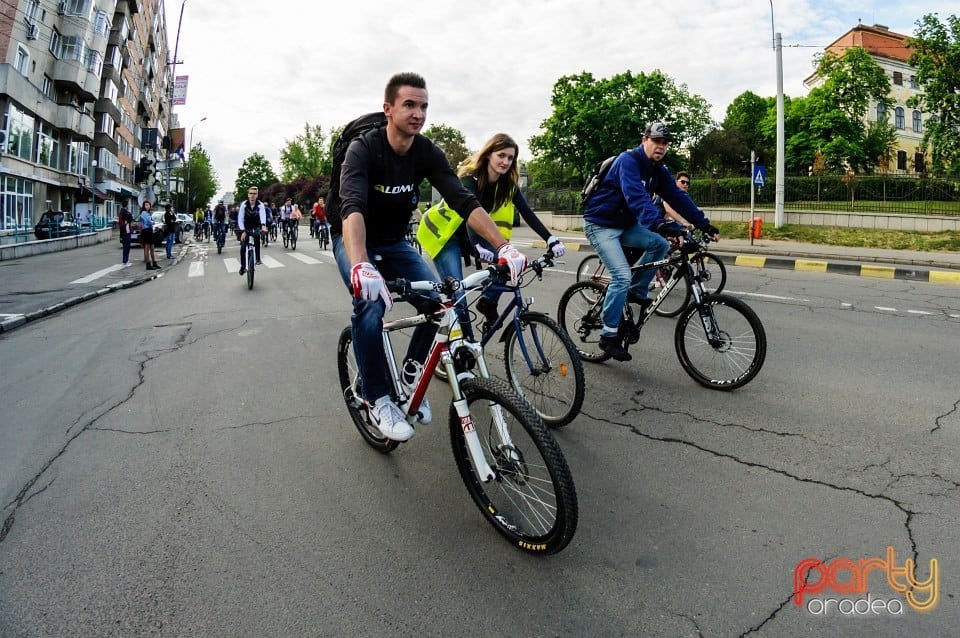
<point x="781" y="143"/>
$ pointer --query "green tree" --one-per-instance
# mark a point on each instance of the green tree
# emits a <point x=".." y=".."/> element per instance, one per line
<point x="255" y="171"/>
<point x="593" y="118"/>
<point x="936" y="57"/>
<point x="452" y="141"/>
<point x="854" y="79"/>
<point x="199" y="179"/>
<point x="744" y="117"/>
<point x="306" y="155"/>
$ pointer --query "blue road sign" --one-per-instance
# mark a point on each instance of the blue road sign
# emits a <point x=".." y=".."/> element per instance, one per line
<point x="760" y="175"/>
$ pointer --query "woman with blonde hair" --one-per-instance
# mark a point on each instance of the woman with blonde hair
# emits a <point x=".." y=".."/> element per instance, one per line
<point x="493" y="175"/>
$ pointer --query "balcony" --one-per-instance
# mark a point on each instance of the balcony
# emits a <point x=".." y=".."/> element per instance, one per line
<point x="73" y="76"/>
<point x="68" y="118"/>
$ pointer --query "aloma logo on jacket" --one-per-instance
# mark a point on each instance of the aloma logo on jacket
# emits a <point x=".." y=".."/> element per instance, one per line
<point x="395" y="190"/>
<point x="812" y="576"/>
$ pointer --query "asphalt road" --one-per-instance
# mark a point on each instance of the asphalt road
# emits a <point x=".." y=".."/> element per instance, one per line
<point x="175" y="460"/>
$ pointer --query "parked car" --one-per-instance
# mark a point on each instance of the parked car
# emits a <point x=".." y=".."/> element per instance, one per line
<point x="54" y="224"/>
<point x="186" y="221"/>
<point x="158" y="237"/>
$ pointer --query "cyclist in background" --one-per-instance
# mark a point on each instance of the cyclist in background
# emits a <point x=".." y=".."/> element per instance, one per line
<point x="319" y="216"/>
<point x="492" y="175"/>
<point x="219" y="219"/>
<point x="285" y="211"/>
<point x="251" y="215"/>
<point x="621" y="212"/>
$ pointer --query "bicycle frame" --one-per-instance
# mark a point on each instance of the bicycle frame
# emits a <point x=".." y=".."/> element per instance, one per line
<point x="447" y="343"/>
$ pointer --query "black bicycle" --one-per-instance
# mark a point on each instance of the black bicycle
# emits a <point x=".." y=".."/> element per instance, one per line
<point x="323" y="235"/>
<point x="710" y="268"/>
<point x="220" y="235"/>
<point x="290" y="234"/>
<point x="719" y="339"/>
<point x="251" y="255"/>
<point x="540" y="359"/>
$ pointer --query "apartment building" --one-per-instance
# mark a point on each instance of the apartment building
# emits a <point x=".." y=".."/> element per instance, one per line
<point x="84" y="91"/>
<point x="891" y="52"/>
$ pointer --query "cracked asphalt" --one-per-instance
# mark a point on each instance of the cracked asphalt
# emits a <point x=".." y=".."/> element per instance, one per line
<point x="175" y="459"/>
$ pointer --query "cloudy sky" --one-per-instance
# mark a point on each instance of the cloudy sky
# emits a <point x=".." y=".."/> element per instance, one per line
<point x="260" y="71"/>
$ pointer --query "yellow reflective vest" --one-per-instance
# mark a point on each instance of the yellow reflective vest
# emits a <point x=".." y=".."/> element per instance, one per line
<point x="440" y="223"/>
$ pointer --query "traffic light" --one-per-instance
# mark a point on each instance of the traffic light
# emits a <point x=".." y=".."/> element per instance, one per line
<point x="143" y="171"/>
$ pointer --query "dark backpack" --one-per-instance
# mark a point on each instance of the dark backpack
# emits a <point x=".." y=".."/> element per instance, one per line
<point x="353" y="130"/>
<point x="597" y="174"/>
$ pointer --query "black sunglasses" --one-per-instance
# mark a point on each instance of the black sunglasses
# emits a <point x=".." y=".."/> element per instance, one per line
<point x="684" y="181"/>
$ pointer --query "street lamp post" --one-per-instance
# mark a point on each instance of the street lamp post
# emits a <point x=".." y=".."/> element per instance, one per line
<point x="781" y="143"/>
<point x="189" y="158"/>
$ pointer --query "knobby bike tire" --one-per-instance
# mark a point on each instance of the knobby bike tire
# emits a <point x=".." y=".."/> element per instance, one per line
<point x="532" y="501"/>
<point x="251" y="262"/>
<point x="733" y="359"/>
<point x="352" y="391"/>
<point x="556" y="386"/>
<point x="580" y="313"/>
<point x="293" y="239"/>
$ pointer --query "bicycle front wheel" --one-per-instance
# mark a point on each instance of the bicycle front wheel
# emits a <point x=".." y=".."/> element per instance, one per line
<point x="352" y="389"/>
<point x="721" y="342"/>
<point x="293" y="238"/>
<point x="581" y="314"/>
<point x="532" y="500"/>
<point x="544" y="367"/>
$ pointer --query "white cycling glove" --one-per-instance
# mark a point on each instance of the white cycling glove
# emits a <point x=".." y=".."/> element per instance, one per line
<point x="556" y="246"/>
<point x="368" y="283"/>
<point x="485" y="255"/>
<point x="513" y="258"/>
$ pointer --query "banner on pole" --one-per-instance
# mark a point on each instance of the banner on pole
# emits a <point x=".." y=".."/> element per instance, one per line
<point x="180" y="90"/>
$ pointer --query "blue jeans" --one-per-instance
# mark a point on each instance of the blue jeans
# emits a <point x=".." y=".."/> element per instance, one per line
<point x="449" y="263"/>
<point x="609" y="242"/>
<point x="171" y="236"/>
<point x="398" y="260"/>
<point x="125" y="242"/>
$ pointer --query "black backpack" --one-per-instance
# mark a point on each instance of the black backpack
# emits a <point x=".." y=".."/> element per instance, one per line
<point x="597" y="174"/>
<point x="351" y="131"/>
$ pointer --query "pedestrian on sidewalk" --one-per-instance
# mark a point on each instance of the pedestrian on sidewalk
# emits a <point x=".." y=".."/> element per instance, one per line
<point x="170" y="228"/>
<point x="125" y="224"/>
<point x="146" y="235"/>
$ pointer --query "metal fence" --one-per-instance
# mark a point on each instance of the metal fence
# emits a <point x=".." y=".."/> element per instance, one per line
<point x="863" y="194"/>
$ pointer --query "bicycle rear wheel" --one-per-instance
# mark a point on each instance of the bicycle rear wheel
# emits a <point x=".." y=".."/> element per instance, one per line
<point x="293" y="238"/>
<point x="532" y="501"/>
<point x="711" y="270"/>
<point x="581" y="314"/>
<point x="544" y="367"/>
<point x="352" y="390"/>
<point x="731" y="352"/>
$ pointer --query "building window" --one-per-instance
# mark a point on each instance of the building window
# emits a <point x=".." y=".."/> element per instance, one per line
<point x="93" y="61"/>
<point x="71" y="48"/>
<point x="82" y="8"/>
<point x="47" y="88"/>
<point x="48" y="146"/>
<point x="16" y="199"/>
<point x="114" y="58"/>
<point x="33" y="7"/>
<point x="22" y="60"/>
<point x="101" y="23"/>
<point x="881" y="112"/>
<point x="55" y="43"/>
<point x="899" y="122"/>
<point x="107" y="125"/>
<point x="79" y="159"/>
<point x="917" y="123"/>
<point x="918" y="164"/>
<point x="20" y="127"/>
<point x="898" y="78"/>
<point x="913" y="82"/>
<point x="901" y="160"/>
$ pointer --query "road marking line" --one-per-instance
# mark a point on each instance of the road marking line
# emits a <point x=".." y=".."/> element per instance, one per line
<point x="196" y="269"/>
<point x="232" y="264"/>
<point x="919" y="312"/>
<point x="762" y="296"/>
<point x="97" y="275"/>
<point x="8" y="316"/>
<point x="307" y="259"/>
<point x="885" y="309"/>
<point x="270" y="262"/>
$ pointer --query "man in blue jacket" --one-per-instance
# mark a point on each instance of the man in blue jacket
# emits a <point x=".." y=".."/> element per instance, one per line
<point x="621" y="212"/>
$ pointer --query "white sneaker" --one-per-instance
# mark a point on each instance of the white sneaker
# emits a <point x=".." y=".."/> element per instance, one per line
<point x="425" y="415"/>
<point x="390" y="420"/>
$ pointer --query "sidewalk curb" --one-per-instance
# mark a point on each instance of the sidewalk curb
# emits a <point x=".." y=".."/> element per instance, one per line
<point x="15" y="322"/>
<point x="814" y="263"/>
